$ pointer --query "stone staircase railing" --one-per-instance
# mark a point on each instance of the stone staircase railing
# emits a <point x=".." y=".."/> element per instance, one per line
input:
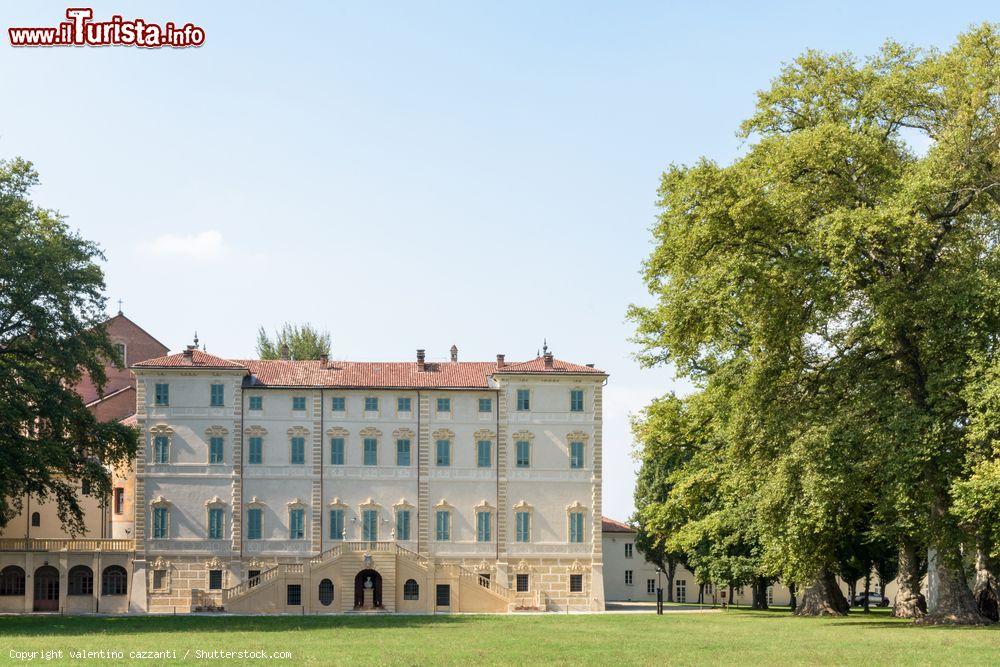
<point x="245" y="586"/>
<point x="490" y="583"/>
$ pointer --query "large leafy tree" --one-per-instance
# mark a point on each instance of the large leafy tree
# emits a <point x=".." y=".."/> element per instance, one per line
<point x="848" y="262"/>
<point x="302" y="341"/>
<point x="51" y="314"/>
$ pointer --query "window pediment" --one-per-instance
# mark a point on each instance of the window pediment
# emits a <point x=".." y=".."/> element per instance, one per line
<point x="215" y="501"/>
<point x="337" y="503"/>
<point x="444" y="505"/>
<point x="443" y="434"/>
<point x="523" y="435"/>
<point x="403" y="434"/>
<point x="484" y="506"/>
<point x="484" y="434"/>
<point x="159" y="501"/>
<point x="577" y="436"/>
<point x="256" y="502"/>
<point x="370" y="432"/>
<point x="298" y="432"/>
<point x="337" y="432"/>
<point x="523" y="506"/>
<point x="370" y="504"/>
<point x="216" y="431"/>
<point x="402" y="504"/>
<point x="255" y="431"/>
<point x="161" y="429"/>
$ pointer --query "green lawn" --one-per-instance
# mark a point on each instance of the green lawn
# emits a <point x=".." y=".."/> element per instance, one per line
<point x="732" y="638"/>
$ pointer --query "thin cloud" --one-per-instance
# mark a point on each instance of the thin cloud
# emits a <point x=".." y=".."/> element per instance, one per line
<point x="207" y="245"/>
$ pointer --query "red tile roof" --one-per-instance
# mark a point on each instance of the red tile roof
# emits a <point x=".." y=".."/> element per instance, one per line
<point x="198" y="359"/>
<point x="612" y="526"/>
<point x="367" y="374"/>
<point x="537" y="365"/>
<point x="129" y="421"/>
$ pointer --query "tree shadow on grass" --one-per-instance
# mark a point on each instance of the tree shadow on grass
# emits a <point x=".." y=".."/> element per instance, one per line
<point x="70" y="626"/>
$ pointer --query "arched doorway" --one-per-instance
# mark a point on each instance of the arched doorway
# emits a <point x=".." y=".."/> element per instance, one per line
<point x="368" y="590"/>
<point x="46" y="589"/>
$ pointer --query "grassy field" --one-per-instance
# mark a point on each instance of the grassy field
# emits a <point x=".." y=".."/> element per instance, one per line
<point x="733" y="638"/>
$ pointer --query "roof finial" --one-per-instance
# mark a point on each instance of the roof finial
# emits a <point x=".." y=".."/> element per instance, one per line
<point x="119" y="306"/>
<point x="196" y="338"/>
<point x="545" y="346"/>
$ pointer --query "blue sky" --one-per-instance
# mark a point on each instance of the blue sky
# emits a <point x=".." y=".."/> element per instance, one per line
<point x="409" y="176"/>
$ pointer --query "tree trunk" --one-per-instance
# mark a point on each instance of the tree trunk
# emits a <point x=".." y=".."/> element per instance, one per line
<point x="852" y="591"/>
<point x="985" y="587"/>
<point x="823" y="597"/>
<point x="671" y="570"/>
<point x="732" y="602"/>
<point x="701" y="593"/>
<point x="953" y="603"/>
<point x="909" y="603"/>
<point x="791" y="594"/>
<point x="760" y="593"/>
<point x="868" y="589"/>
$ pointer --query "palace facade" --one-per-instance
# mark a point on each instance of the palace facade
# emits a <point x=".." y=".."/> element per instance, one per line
<point x="332" y="486"/>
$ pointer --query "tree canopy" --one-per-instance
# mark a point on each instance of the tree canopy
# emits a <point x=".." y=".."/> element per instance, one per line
<point x="835" y="290"/>
<point x="304" y="342"/>
<point x="52" y="311"/>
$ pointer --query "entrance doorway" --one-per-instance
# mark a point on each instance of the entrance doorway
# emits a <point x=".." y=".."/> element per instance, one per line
<point x="368" y="590"/>
<point x="46" y="589"/>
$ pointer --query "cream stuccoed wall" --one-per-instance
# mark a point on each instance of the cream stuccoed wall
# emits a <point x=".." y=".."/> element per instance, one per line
<point x="187" y="485"/>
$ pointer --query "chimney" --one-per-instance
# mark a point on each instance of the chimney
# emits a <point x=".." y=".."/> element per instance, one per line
<point x="285" y="352"/>
<point x="590" y="365"/>
<point x="548" y="360"/>
<point x="500" y="363"/>
<point x="454" y="354"/>
<point x="324" y="360"/>
<point x="420" y="361"/>
<point x="189" y="353"/>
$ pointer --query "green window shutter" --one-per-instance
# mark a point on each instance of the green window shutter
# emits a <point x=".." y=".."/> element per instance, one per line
<point x="338" y="404"/>
<point x="444" y="453"/>
<point x="215" y="449"/>
<point x="217" y="395"/>
<point x="298" y="450"/>
<point x="370" y="452"/>
<point x="336" y="524"/>
<point x="403" y="525"/>
<point x="485" y="405"/>
<point x="576" y="455"/>
<point x="256" y="453"/>
<point x="337" y="451"/>
<point x="484" y="458"/>
<point x="402" y="452"/>
<point x="523" y="454"/>
<point x="576" y="400"/>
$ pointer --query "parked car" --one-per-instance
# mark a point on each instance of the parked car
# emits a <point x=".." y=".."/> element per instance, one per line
<point x="874" y="600"/>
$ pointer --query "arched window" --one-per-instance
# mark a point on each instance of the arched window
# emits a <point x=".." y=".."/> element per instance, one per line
<point x="411" y="591"/>
<point x="325" y="592"/>
<point x="114" y="581"/>
<point x="81" y="580"/>
<point x="36" y="519"/>
<point x="12" y="581"/>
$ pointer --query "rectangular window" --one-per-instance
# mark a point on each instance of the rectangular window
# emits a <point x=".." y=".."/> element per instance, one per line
<point x="253" y="524"/>
<point x="444" y="453"/>
<point x="443" y="595"/>
<point x="576" y="400"/>
<point x="159" y="580"/>
<point x="444" y="405"/>
<point x="161" y="449"/>
<point x="371" y="403"/>
<point x="293" y="597"/>
<point x="371" y="452"/>
<point x="402" y="452"/>
<point x="119" y="500"/>
<point x="628" y="577"/>
<point x="296" y="524"/>
<point x="257" y="403"/>
<point x="298" y="450"/>
<point x="161" y="394"/>
<point x="651" y="586"/>
<point x="298" y="403"/>
<point x="253" y="577"/>
<point x="215" y="449"/>
<point x="403" y="524"/>
<point x="523" y="454"/>
<point x="576" y="527"/>
<point x="336" y="524"/>
<point x="338" y="404"/>
<point x="628" y="550"/>
<point x="217" y="396"/>
<point x="337" y="451"/>
<point x="681" y="591"/>
<point x="484" y="455"/>
<point x="486" y="405"/>
<point x="484" y="526"/>
<point x="522" y="583"/>
<point x="576" y="455"/>
<point x="215" y="580"/>
<point x="576" y="583"/>
<point x="85" y="487"/>
<point x="369" y="525"/>
<point x="255" y="453"/>
<point x="523" y="524"/>
<point x="523" y="400"/>
<point x="403" y="405"/>
<point x="443" y="526"/>
<point x="215" y="523"/>
<point x="120" y="354"/>
<point x="159" y="523"/>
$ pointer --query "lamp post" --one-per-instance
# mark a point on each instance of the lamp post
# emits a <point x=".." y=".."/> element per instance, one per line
<point x="659" y="592"/>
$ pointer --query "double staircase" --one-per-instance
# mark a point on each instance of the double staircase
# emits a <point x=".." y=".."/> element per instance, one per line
<point x="481" y="592"/>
